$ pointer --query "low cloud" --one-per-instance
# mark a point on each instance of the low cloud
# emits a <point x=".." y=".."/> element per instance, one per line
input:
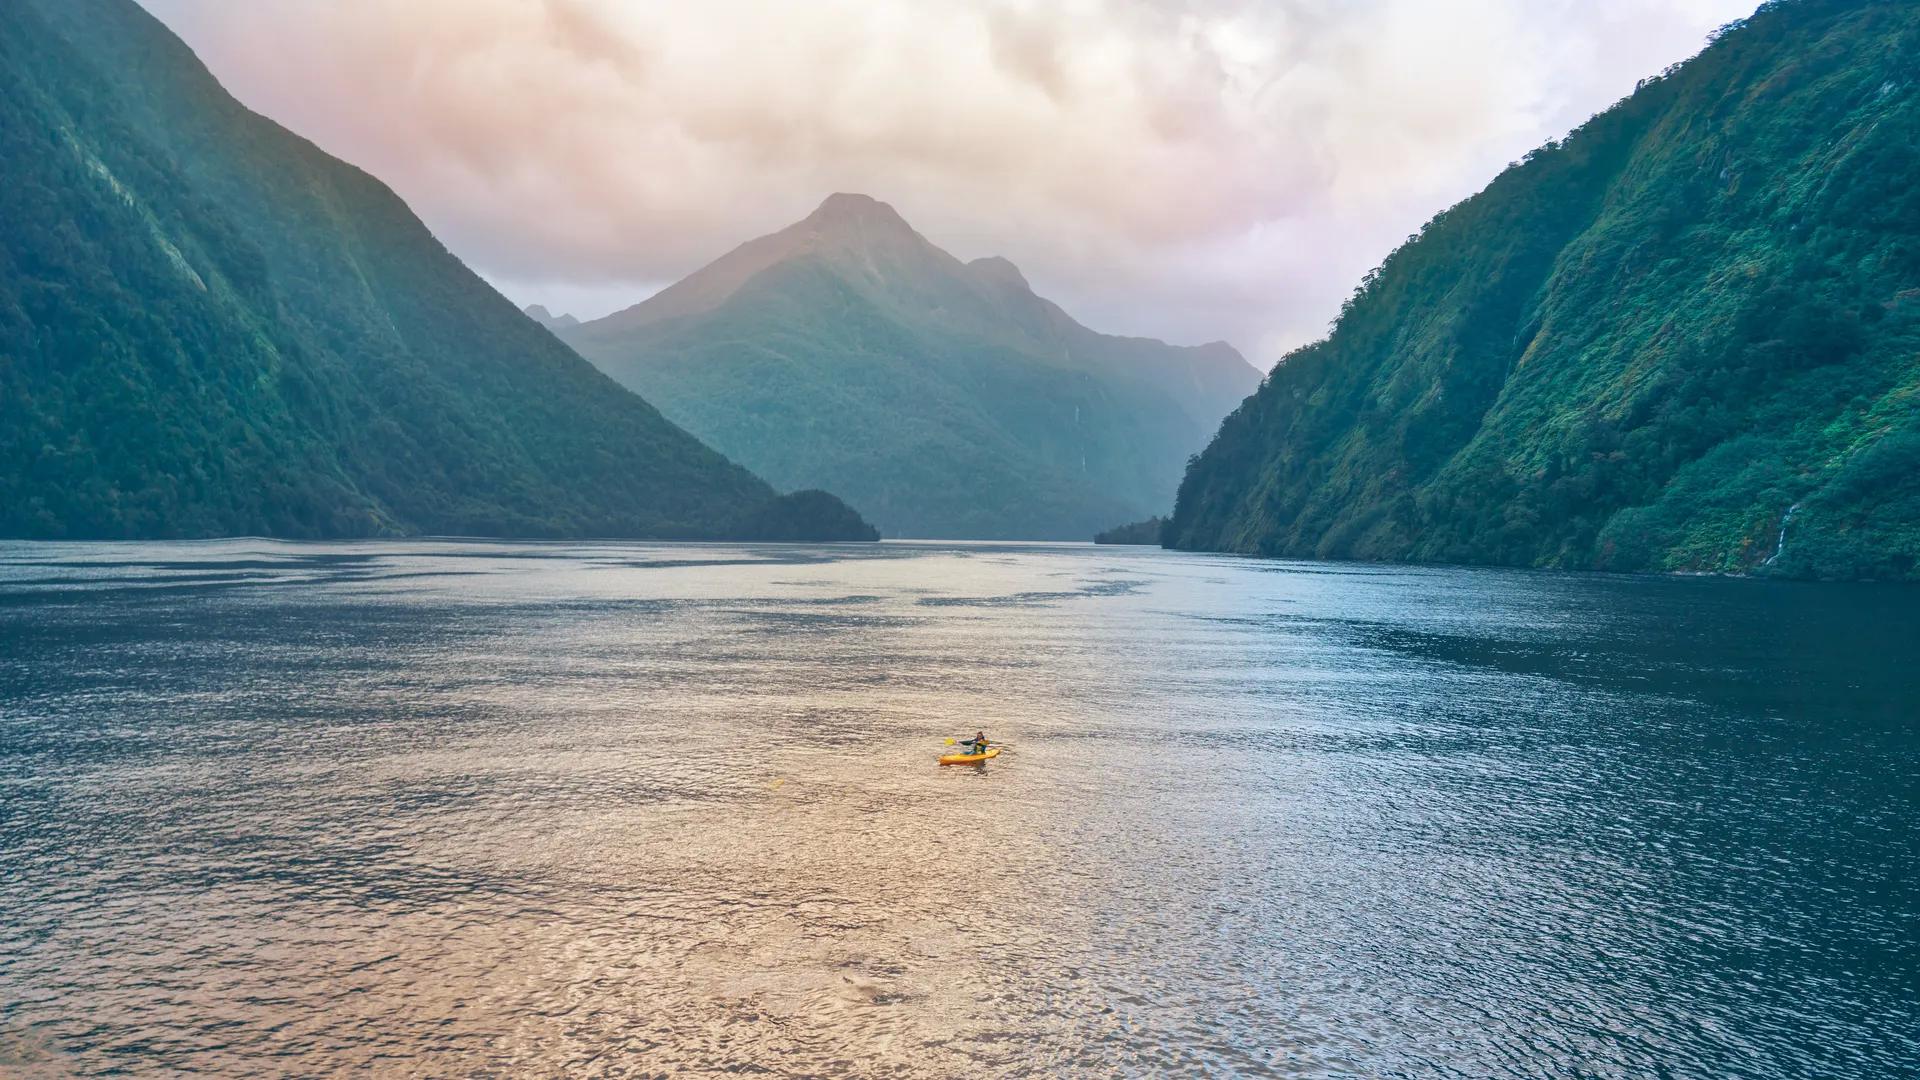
<point x="1190" y="170"/>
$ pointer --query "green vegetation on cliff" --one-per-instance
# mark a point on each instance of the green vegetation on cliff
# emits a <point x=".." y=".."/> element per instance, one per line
<point x="210" y="327"/>
<point x="806" y="515"/>
<point x="1690" y="330"/>
<point x="1139" y="532"/>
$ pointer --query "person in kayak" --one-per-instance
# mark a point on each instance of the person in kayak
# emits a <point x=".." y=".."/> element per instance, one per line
<point x="978" y="745"/>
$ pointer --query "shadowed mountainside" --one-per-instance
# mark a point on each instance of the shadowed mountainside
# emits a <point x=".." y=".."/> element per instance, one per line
<point x="209" y="327"/>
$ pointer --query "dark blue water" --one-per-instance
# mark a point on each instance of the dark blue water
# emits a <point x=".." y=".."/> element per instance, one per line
<point x="462" y="809"/>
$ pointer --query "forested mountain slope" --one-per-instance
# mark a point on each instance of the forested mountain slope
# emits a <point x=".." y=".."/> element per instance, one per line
<point x="210" y="327"/>
<point x="942" y="397"/>
<point x="1686" y="338"/>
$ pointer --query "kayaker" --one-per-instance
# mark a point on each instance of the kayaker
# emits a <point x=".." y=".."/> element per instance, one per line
<point x="978" y="745"/>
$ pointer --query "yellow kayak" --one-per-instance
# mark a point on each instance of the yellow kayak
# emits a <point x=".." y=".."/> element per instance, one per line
<point x="970" y="759"/>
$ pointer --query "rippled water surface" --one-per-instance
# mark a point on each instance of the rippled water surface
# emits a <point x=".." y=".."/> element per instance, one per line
<point x="460" y="809"/>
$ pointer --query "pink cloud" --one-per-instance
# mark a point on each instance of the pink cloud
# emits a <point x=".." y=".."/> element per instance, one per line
<point x="1191" y="170"/>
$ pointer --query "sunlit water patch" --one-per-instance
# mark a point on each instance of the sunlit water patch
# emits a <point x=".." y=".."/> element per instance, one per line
<point x="613" y="809"/>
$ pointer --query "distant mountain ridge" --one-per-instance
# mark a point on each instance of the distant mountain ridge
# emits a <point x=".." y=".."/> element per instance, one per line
<point x="538" y="313"/>
<point x="944" y="398"/>
<point x="1685" y="338"/>
<point x="209" y="327"/>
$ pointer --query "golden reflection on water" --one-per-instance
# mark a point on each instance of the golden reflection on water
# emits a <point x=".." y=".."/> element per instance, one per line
<point x="653" y="810"/>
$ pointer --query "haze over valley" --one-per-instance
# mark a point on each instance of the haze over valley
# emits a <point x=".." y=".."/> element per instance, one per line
<point x="943" y="398"/>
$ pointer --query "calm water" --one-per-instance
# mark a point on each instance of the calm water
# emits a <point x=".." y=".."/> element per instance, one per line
<point x="462" y="809"/>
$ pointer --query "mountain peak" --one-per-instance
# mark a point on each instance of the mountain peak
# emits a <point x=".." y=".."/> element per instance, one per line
<point x="846" y="208"/>
<point x="846" y="228"/>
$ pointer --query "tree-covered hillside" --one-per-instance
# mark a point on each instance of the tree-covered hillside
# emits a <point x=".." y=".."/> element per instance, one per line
<point x="1138" y="532"/>
<point x="210" y="327"/>
<point x="942" y="397"/>
<point x="1685" y="338"/>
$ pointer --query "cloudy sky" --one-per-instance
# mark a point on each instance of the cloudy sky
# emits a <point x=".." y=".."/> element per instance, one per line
<point x="1186" y="169"/>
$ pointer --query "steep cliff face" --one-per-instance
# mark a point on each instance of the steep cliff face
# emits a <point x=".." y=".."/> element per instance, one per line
<point x="210" y="327"/>
<point x="943" y="397"/>
<point x="1690" y="328"/>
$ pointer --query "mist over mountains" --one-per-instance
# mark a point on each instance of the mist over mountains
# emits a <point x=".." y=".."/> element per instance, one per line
<point x="1682" y="339"/>
<point x="942" y="397"/>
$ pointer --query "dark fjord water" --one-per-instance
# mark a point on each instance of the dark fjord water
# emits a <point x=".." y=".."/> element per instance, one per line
<point x="460" y="809"/>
